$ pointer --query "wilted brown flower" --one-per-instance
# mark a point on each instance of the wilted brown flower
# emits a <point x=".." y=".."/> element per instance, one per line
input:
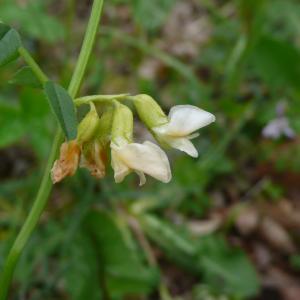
<point x="94" y="158"/>
<point x="67" y="163"/>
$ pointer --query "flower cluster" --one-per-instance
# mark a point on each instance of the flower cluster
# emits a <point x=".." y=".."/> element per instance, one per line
<point x="109" y="124"/>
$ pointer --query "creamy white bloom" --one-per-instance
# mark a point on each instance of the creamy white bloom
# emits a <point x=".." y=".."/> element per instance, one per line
<point x="146" y="158"/>
<point x="183" y="121"/>
<point x="127" y="156"/>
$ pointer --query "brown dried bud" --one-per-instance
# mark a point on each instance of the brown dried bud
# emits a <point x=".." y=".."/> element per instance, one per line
<point x="67" y="163"/>
<point x="94" y="158"/>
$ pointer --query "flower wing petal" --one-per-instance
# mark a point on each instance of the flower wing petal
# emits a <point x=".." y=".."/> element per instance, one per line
<point x="183" y="144"/>
<point x="184" y="120"/>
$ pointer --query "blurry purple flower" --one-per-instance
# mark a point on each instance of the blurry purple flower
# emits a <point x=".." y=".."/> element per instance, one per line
<point x="280" y="125"/>
<point x="277" y="128"/>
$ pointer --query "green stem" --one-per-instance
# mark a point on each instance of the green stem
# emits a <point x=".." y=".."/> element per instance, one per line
<point x="164" y="292"/>
<point x="86" y="49"/>
<point x="70" y="7"/>
<point x="33" y="65"/>
<point x="99" y="98"/>
<point x="234" y="65"/>
<point x="46" y="185"/>
<point x="30" y="223"/>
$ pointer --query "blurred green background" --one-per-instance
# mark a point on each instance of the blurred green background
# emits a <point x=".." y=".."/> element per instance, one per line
<point x="227" y="226"/>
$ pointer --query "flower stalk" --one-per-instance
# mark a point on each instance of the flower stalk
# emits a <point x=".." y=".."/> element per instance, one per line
<point x="111" y="122"/>
<point x="41" y="76"/>
<point x="99" y="99"/>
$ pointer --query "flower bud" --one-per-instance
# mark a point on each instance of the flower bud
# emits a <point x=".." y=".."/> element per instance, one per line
<point x="149" y="111"/>
<point x="94" y="151"/>
<point x="103" y="135"/>
<point x="94" y="158"/>
<point x="88" y="126"/>
<point x="122" y="125"/>
<point x="67" y="163"/>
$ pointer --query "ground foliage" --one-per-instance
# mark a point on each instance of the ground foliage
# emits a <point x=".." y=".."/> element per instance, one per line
<point x="227" y="226"/>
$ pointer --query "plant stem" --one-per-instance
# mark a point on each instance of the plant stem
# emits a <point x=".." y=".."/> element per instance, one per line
<point x="164" y="292"/>
<point x="99" y="98"/>
<point x="70" y="12"/>
<point x="46" y="185"/>
<point x="33" y="65"/>
<point x="30" y="223"/>
<point x="86" y="49"/>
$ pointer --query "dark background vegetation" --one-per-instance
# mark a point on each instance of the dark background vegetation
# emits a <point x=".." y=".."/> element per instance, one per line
<point x="227" y="226"/>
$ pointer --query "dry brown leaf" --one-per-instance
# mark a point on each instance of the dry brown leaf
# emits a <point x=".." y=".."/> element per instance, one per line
<point x="276" y="236"/>
<point x="247" y="220"/>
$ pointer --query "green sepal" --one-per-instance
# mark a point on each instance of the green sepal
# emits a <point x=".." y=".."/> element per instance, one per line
<point x="150" y="113"/>
<point x="88" y="126"/>
<point x="122" y="126"/>
<point x="104" y="129"/>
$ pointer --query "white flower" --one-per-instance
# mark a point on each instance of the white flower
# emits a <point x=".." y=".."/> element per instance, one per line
<point x="174" y="130"/>
<point x="143" y="158"/>
<point x="184" y="120"/>
<point x="127" y="156"/>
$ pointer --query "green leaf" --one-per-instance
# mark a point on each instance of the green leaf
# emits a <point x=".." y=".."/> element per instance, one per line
<point x="83" y="269"/>
<point x="63" y="108"/>
<point x="278" y="62"/>
<point x="294" y="261"/>
<point x="123" y="268"/>
<point x="166" y="235"/>
<point x="226" y="269"/>
<point x="36" y="111"/>
<point x="11" y="124"/>
<point x="25" y="77"/>
<point x="42" y="26"/>
<point x="3" y="30"/>
<point x="249" y="9"/>
<point x="175" y="242"/>
<point x="152" y="14"/>
<point x="10" y="42"/>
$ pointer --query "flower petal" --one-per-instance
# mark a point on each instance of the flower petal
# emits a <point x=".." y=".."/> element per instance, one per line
<point x="183" y="144"/>
<point x="193" y="136"/>
<point x="121" y="170"/>
<point x="146" y="158"/>
<point x="184" y="120"/>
